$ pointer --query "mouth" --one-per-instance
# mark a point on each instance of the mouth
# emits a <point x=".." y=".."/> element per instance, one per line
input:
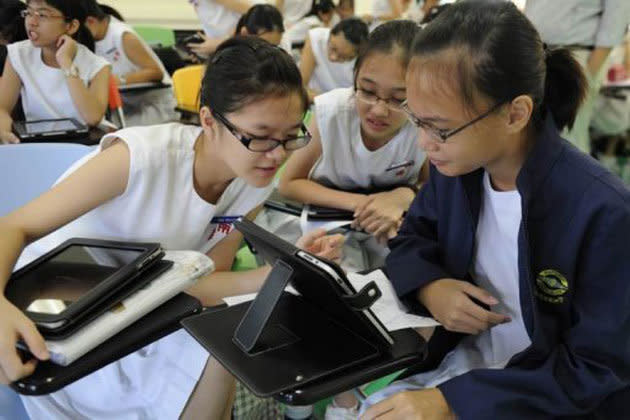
<point x="267" y="170"/>
<point x="32" y="35"/>
<point x="437" y="163"/>
<point x="376" y="125"/>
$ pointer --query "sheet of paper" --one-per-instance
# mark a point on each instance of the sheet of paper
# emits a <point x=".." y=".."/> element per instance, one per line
<point x="388" y="308"/>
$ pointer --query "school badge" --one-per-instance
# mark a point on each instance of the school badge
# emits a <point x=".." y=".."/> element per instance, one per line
<point x="551" y="286"/>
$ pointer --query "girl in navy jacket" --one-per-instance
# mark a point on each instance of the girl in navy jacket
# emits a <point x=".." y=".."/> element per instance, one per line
<point x="518" y="242"/>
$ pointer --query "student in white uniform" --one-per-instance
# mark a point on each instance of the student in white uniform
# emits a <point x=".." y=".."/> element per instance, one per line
<point x="328" y="55"/>
<point x="53" y="74"/>
<point x="166" y="184"/>
<point x="322" y="15"/>
<point x="261" y="20"/>
<point x="133" y="61"/>
<point x="293" y="10"/>
<point x="362" y="141"/>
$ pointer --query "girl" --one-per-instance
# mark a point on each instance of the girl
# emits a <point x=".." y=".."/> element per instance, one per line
<point x="166" y="183"/>
<point x="322" y="15"/>
<point x="328" y="55"/>
<point x="262" y="20"/>
<point x="362" y="140"/>
<point x="133" y="61"/>
<point x="518" y="240"/>
<point x="56" y="76"/>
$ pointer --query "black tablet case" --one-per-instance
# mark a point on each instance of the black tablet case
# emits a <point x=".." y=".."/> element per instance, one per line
<point x="80" y="132"/>
<point x="49" y="377"/>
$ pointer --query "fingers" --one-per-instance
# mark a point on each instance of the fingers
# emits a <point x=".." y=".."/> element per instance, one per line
<point x="9" y="138"/>
<point x="479" y="294"/>
<point x="11" y="366"/>
<point x="379" y="410"/>
<point x="33" y="340"/>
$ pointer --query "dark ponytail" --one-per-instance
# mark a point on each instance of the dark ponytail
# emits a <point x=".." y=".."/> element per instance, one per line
<point x="498" y="52"/>
<point x="565" y="86"/>
<point x="75" y="9"/>
<point x="244" y="69"/>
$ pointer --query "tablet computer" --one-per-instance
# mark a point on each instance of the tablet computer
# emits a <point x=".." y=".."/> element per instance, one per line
<point x="76" y="278"/>
<point x="50" y="129"/>
<point x="314" y="212"/>
<point x="320" y="281"/>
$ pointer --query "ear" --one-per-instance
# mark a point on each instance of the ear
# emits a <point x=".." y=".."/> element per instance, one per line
<point x="72" y="27"/>
<point x="244" y="31"/>
<point x="519" y="113"/>
<point x="207" y="119"/>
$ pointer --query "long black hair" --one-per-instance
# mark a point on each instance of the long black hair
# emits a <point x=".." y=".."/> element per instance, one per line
<point x="244" y="69"/>
<point x="395" y="35"/>
<point x="75" y="9"/>
<point x="500" y="54"/>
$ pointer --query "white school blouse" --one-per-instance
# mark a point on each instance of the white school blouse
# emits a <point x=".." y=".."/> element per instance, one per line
<point x="160" y="204"/>
<point x="326" y="74"/>
<point x="44" y="90"/>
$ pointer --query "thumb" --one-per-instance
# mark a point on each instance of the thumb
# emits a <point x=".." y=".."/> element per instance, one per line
<point x="34" y="341"/>
<point x="479" y="294"/>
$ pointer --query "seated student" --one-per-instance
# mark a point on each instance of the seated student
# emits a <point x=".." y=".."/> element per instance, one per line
<point x="362" y="140"/>
<point x="328" y="55"/>
<point x="132" y="61"/>
<point x="55" y="76"/>
<point x="166" y="183"/>
<point x="293" y="10"/>
<point x="261" y="20"/>
<point x="345" y="9"/>
<point x="11" y="30"/>
<point x="321" y="15"/>
<point x="384" y="10"/>
<point x="518" y="240"/>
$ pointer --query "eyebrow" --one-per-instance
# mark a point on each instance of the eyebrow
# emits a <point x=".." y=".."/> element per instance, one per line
<point x="367" y="79"/>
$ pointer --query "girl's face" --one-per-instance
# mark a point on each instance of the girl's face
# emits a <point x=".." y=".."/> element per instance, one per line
<point x="45" y="24"/>
<point x="345" y="10"/>
<point x="380" y="89"/>
<point x="432" y="98"/>
<point x="277" y="117"/>
<point x="340" y="49"/>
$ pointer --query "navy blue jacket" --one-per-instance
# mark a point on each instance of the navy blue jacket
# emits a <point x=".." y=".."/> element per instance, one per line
<point x="574" y="279"/>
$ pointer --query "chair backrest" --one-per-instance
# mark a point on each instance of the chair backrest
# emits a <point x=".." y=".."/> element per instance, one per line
<point x="28" y="170"/>
<point x="156" y="35"/>
<point x="186" y="84"/>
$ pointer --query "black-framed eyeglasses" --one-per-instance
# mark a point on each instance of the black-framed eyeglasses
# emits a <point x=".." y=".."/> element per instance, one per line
<point x="372" y="98"/>
<point x="440" y="135"/>
<point x="266" y="144"/>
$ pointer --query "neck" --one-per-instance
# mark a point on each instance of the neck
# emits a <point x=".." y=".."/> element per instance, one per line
<point x="211" y="175"/>
<point x="49" y="55"/>
<point x="374" y="143"/>
<point x="504" y="170"/>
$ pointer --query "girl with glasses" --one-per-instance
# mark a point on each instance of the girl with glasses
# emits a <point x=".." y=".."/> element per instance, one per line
<point x="52" y="72"/>
<point x="518" y="242"/>
<point x="364" y="155"/>
<point x="176" y="185"/>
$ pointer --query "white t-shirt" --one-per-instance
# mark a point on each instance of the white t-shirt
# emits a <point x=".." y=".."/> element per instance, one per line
<point x="345" y="161"/>
<point x="141" y="108"/>
<point x="326" y="74"/>
<point x="295" y="10"/>
<point x="44" y="91"/>
<point x="217" y="20"/>
<point x="495" y="269"/>
<point x="160" y="204"/>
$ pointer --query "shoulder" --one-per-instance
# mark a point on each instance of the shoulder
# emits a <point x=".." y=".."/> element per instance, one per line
<point x="340" y="100"/>
<point x="21" y="49"/>
<point x="317" y="34"/>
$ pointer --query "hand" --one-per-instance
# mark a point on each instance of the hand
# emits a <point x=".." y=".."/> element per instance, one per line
<point x="450" y="303"/>
<point x="205" y="48"/>
<point x="324" y="246"/>
<point x="66" y="50"/>
<point x="14" y="325"/>
<point x="7" y="137"/>
<point x="381" y="215"/>
<point x="426" y="404"/>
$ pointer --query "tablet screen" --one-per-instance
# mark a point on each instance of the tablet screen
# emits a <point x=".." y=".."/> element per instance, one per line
<point x="52" y="286"/>
<point x="40" y="127"/>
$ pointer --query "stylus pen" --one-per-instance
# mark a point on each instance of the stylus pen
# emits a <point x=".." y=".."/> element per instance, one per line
<point x="226" y="219"/>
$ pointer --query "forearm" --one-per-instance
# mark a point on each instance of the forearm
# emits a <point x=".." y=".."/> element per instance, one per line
<point x="211" y="289"/>
<point x="90" y="108"/>
<point x="310" y="192"/>
<point x="596" y="59"/>
<point x="144" y="75"/>
<point x="12" y="241"/>
<point x="403" y="196"/>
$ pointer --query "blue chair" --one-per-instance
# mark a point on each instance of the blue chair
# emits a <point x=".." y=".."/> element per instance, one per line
<point x="28" y="170"/>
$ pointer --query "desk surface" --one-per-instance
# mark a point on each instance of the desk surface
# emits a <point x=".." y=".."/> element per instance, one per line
<point x="140" y="87"/>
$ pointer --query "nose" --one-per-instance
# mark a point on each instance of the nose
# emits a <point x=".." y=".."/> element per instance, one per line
<point x="425" y="141"/>
<point x="380" y="109"/>
<point x="279" y="154"/>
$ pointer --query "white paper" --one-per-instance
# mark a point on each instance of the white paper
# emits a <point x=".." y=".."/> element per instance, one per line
<point x="388" y="308"/>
